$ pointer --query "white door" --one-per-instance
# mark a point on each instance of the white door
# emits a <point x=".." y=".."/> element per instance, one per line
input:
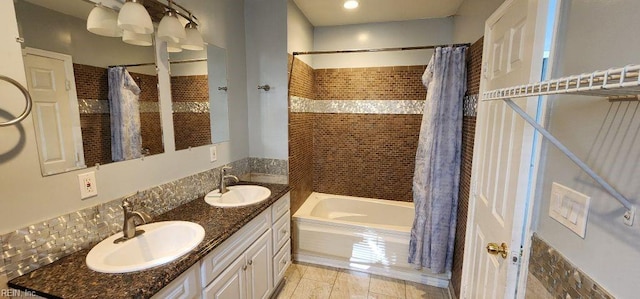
<point x="513" y="52"/>
<point x="55" y="110"/>
<point x="259" y="273"/>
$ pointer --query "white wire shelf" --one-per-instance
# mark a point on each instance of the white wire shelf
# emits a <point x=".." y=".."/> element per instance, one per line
<point x="615" y="84"/>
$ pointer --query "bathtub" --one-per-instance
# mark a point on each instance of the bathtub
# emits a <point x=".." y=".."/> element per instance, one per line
<point x="362" y="234"/>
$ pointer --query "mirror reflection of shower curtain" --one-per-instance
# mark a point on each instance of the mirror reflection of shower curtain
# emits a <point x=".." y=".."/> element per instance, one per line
<point x="124" y="95"/>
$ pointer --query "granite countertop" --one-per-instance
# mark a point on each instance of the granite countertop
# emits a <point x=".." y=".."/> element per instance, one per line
<point x="70" y="277"/>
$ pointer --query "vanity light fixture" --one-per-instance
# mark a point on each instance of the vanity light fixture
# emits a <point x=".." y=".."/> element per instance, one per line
<point x="136" y="39"/>
<point x="170" y="28"/>
<point x="134" y="17"/>
<point x="173" y="47"/>
<point x="194" y="40"/>
<point x="134" y="24"/>
<point x="351" y="4"/>
<point x="103" y="21"/>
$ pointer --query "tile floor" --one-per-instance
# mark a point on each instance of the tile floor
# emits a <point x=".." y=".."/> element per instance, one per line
<point x="320" y="282"/>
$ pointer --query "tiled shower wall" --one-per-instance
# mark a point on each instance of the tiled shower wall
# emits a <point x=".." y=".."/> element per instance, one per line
<point x="300" y="136"/>
<point x="191" y="121"/>
<point x="92" y="87"/>
<point x="474" y="66"/>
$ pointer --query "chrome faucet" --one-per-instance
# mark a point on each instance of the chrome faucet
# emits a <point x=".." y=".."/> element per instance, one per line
<point x="224" y="176"/>
<point x="129" y="227"/>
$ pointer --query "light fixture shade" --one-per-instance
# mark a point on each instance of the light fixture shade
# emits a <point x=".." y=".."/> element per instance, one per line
<point x="194" y="40"/>
<point x="170" y="29"/>
<point x="173" y="47"/>
<point x="103" y="21"/>
<point x="136" y="39"/>
<point x="135" y="18"/>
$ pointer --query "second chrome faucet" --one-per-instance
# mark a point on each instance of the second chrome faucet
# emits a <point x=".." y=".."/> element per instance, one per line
<point x="223" y="176"/>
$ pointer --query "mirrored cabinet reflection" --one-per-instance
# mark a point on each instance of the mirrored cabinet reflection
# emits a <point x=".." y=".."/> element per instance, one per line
<point x="72" y="74"/>
<point x="198" y="90"/>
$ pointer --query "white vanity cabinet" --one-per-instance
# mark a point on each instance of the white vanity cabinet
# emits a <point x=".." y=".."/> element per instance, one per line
<point x="251" y="262"/>
<point x="186" y="286"/>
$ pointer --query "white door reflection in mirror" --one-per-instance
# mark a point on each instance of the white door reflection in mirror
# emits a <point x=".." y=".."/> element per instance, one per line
<point x="57" y="123"/>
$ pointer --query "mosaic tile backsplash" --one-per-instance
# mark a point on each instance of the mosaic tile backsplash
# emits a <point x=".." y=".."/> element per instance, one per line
<point x="561" y="278"/>
<point x="39" y="244"/>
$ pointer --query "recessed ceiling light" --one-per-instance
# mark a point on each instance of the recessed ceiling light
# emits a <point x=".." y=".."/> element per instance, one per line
<point x="350" y="4"/>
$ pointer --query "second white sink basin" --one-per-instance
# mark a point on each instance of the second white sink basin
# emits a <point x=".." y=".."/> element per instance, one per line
<point x="237" y="196"/>
<point x="161" y="243"/>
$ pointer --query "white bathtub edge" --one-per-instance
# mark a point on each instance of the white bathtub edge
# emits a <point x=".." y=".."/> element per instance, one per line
<point x="436" y="280"/>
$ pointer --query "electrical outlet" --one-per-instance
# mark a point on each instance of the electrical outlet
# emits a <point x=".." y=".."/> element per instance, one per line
<point x="213" y="153"/>
<point x="88" y="186"/>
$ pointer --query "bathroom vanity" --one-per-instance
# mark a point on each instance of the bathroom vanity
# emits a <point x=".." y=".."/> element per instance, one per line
<point x="244" y="254"/>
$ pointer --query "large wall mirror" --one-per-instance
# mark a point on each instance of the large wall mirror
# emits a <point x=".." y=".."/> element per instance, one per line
<point x="199" y="97"/>
<point x="68" y="70"/>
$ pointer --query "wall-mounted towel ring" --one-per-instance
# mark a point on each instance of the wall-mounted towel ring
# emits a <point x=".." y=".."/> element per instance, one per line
<point x="266" y="87"/>
<point x="27" y="97"/>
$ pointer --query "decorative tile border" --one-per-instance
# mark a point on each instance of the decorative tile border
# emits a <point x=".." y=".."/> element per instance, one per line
<point x="88" y="106"/>
<point x="561" y="278"/>
<point x="302" y="105"/>
<point x="470" y="105"/>
<point x="269" y="166"/>
<point x="191" y="107"/>
<point x="92" y="106"/>
<point x="40" y="244"/>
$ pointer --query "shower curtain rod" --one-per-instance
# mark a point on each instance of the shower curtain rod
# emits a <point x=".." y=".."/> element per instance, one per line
<point x="153" y="63"/>
<point x="378" y="50"/>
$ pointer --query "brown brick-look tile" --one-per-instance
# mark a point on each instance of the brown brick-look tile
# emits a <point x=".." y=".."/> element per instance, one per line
<point x="91" y="82"/>
<point x="302" y="79"/>
<point x="190" y="88"/>
<point x="300" y="158"/>
<point x="368" y="155"/>
<point x="191" y="129"/>
<point x="561" y="278"/>
<point x="96" y="138"/>
<point x="474" y="66"/>
<point x="151" y="132"/>
<point x="375" y="83"/>
<point x="301" y="136"/>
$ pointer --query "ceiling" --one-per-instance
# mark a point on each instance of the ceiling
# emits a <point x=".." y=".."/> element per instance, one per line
<point x="331" y="12"/>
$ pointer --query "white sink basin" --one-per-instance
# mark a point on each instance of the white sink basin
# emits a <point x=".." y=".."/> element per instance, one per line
<point x="238" y="196"/>
<point x="161" y="243"/>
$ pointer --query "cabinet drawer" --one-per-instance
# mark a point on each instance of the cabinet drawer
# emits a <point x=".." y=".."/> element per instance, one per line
<point x="281" y="231"/>
<point x="223" y="255"/>
<point x="280" y="207"/>
<point x="186" y="286"/>
<point x="281" y="262"/>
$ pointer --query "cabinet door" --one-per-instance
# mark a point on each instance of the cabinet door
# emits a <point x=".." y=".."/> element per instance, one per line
<point x="230" y="284"/>
<point x="259" y="270"/>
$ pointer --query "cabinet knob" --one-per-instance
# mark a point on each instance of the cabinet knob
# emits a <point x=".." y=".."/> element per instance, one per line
<point x="283" y="231"/>
<point x="250" y="262"/>
<point x="244" y="268"/>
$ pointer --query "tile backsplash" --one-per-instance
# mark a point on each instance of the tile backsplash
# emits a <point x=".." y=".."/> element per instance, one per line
<point x="39" y="244"/>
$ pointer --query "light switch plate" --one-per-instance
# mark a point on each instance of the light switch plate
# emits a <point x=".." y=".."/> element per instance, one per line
<point x="213" y="153"/>
<point x="88" y="186"/>
<point x="570" y="208"/>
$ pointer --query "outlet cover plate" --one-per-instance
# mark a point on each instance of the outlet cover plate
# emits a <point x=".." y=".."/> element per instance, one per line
<point x="213" y="153"/>
<point x="570" y="208"/>
<point x="88" y="186"/>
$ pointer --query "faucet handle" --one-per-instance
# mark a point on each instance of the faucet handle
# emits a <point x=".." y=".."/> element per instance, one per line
<point x="225" y="168"/>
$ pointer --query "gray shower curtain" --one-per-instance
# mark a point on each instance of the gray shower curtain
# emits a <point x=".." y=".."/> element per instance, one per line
<point x="126" y="140"/>
<point x="437" y="171"/>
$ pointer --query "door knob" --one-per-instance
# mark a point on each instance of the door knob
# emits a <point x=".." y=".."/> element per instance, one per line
<point x="495" y="249"/>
